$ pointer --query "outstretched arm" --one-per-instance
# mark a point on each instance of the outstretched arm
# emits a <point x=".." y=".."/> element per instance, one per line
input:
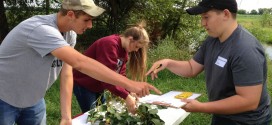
<point x="100" y="72"/>
<point x="182" y="68"/>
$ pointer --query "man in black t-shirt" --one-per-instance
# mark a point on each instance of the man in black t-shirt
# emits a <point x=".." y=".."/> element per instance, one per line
<point x="235" y="68"/>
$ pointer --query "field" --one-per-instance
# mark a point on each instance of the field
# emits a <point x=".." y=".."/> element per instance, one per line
<point x="168" y="81"/>
<point x="259" y="25"/>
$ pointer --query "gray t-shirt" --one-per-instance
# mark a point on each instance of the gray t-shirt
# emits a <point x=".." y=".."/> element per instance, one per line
<point x="27" y="66"/>
<point x="238" y="61"/>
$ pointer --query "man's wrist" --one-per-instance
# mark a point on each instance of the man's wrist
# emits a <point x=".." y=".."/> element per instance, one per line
<point x="65" y="117"/>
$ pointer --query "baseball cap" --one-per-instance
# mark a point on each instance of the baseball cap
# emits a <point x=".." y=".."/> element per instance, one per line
<point x="87" y="6"/>
<point x="206" y="5"/>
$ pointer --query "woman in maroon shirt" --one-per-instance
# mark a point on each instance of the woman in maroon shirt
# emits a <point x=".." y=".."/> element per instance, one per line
<point x="113" y="51"/>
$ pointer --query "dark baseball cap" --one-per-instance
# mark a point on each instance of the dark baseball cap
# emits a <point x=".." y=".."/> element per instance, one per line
<point x="206" y="5"/>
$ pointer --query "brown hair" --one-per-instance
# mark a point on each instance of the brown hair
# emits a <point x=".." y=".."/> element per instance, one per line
<point x="137" y="59"/>
<point x="77" y="12"/>
<point x="234" y="15"/>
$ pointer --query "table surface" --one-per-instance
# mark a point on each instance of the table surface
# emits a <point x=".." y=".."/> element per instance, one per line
<point x="176" y="117"/>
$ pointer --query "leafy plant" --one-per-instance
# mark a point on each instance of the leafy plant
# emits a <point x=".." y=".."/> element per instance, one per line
<point x="115" y="113"/>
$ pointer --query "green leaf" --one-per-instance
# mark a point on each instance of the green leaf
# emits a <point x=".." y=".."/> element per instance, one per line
<point x="103" y="108"/>
<point x="102" y="123"/>
<point x="161" y="107"/>
<point x="91" y="111"/>
<point x="157" y="122"/>
<point x="92" y="120"/>
<point x="153" y="111"/>
<point x="111" y="110"/>
<point x="145" y="115"/>
<point x="143" y="109"/>
<point x="118" y="116"/>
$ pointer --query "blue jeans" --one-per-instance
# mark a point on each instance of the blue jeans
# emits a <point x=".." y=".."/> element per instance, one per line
<point x="86" y="99"/>
<point x="33" y="115"/>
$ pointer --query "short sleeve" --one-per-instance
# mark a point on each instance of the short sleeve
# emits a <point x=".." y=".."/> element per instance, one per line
<point x="247" y="67"/>
<point x="199" y="56"/>
<point x="44" y="39"/>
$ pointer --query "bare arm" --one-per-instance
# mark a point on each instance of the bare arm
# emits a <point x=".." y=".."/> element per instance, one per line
<point x="246" y="99"/>
<point x="66" y="88"/>
<point x="182" y="68"/>
<point x="100" y="72"/>
<point x="185" y="68"/>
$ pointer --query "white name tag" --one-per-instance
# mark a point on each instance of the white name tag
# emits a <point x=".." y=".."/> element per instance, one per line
<point x="221" y="61"/>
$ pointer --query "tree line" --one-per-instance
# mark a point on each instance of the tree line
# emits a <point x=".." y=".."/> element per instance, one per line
<point x="163" y="18"/>
<point x="260" y="11"/>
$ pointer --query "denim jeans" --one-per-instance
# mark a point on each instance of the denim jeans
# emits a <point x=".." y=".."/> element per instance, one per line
<point x="86" y="99"/>
<point x="34" y="115"/>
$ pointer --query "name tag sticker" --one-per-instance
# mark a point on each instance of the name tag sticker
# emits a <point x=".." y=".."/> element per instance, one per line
<point x="221" y="61"/>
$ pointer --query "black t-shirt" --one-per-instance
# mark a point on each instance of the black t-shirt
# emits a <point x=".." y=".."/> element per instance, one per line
<point x="238" y="61"/>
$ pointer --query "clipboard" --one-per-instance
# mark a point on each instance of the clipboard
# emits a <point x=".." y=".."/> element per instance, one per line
<point x="172" y="99"/>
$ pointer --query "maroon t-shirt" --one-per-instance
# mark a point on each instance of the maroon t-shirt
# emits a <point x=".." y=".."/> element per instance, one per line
<point x="108" y="51"/>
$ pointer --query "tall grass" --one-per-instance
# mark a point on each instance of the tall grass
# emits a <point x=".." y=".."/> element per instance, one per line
<point x="257" y="26"/>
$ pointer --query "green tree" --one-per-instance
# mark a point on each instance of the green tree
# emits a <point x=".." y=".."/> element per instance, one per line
<point x="165" y="18"/>
<point x="3" y="22"/>
<point x="19" y="10"/>
<point x="241" y="11"/>
<point x="47" y="6"/>
<point x="114" y="20"/>
<point x="263" y="10"/>
<point x="253" y="12"/>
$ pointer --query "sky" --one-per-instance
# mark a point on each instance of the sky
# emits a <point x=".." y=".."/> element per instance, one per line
<point x="249" y="5"/>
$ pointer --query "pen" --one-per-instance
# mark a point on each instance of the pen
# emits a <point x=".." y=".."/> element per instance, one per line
<point x="157" y="67"/>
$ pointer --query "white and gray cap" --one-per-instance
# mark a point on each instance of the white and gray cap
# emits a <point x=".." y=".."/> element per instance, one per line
<point x="88" y="6"/>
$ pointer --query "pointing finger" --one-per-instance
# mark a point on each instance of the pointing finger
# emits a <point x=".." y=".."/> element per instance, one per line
<point x="154" y="89"/>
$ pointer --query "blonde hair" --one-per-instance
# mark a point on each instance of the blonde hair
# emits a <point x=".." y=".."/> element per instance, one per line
<point x="138" y="59"/>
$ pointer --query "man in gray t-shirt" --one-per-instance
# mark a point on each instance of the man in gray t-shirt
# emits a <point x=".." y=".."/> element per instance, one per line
<point x="235" y="68"/>
<point x="40" y="48"/>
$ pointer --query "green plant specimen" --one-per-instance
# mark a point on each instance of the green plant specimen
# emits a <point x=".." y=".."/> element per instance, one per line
<point x="113" y="112"/>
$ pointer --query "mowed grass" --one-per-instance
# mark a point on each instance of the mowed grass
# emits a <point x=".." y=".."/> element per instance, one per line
<point x="167" y="81"/>
<point x="52" y="99"/>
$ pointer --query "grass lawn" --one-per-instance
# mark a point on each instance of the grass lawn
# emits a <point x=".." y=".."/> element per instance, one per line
<point x="168" y="81"/>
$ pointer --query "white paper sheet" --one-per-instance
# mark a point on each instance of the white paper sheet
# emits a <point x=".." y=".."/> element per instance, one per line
<point x="169" y="98"/>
